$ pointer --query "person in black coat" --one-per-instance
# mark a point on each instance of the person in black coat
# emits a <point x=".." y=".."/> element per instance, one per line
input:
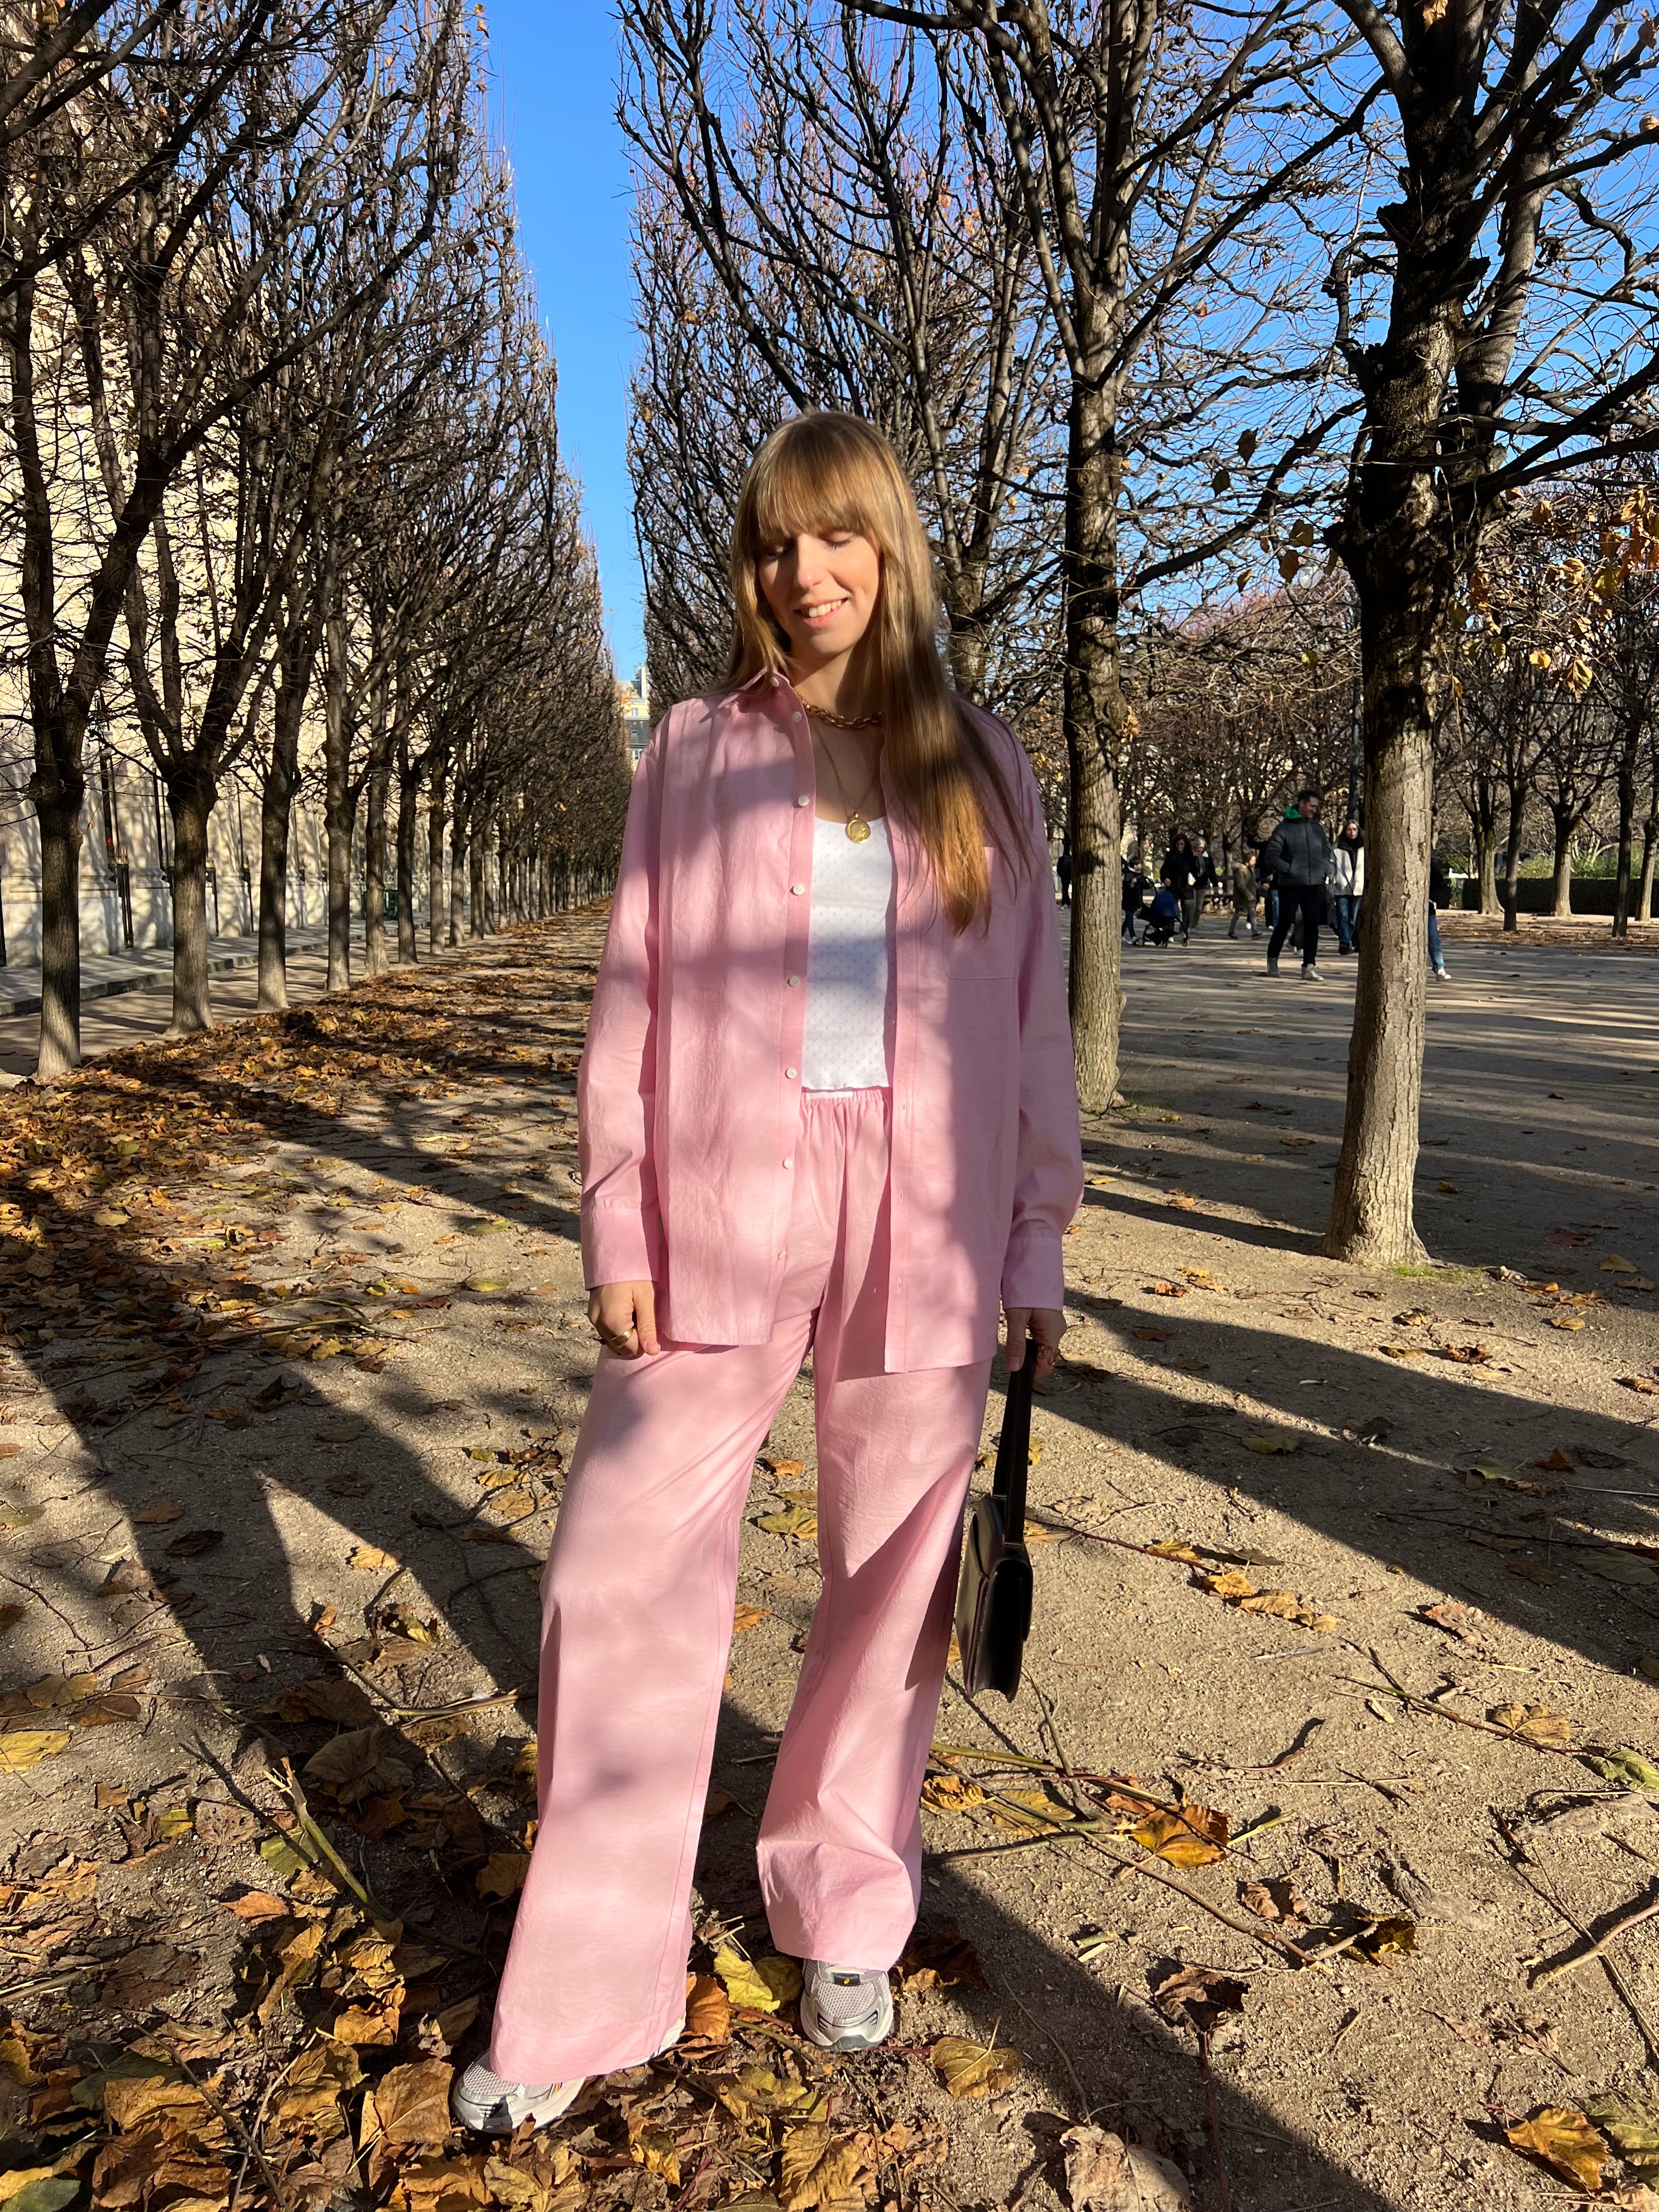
<point x="1181" y="872"/>
<point x="1298" y="854"/>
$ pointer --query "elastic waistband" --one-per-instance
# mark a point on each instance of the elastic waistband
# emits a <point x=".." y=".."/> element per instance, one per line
<point x="874" y="1094"/>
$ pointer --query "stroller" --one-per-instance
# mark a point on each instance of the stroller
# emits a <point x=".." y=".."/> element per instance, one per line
<point x="1163" y="917"/>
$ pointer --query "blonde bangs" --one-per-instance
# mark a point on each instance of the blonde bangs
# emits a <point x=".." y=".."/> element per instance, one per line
<point x="823" y="472"/>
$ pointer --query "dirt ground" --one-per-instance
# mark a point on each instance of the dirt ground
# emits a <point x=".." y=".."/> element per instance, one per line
<point x="1340" y="1698"/>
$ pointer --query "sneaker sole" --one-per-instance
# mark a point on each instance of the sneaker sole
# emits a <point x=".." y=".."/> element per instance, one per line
<point x="539" y="2115"/>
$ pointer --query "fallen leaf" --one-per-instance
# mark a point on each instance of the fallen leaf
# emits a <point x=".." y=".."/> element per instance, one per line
<point x="1570" y="1321"/>
<point x="157" y="1515"/>
<point x="974" y="2069"/>
<point x="942" y="1959"/>
<point x="1152" y="1335"/>
<point x="1232" y="1584"/>
<point x="1194" y="1837"/>
<point x="23" y="1748"/>
<point x="195" y="1542"/>
<point x="800" y="1521"/>
<point x="308" y="2101"/>
<point x="746" y="1617"/>
<point x="256" y="1904"/>
<point x="1105" y="2174"/>
<point x="410" y="2105"/>
<point x="1627" y="1767"/>
<point x="708" y="2010"/>
<point x="1199" y="1997"/>
<point x="1612" y="1265"/>
<point x="1274" y="1900"/>
<point x="1642" y="1383"/>
<point x="502" y="1873"/>
<point x="1387" y="1936"/>
<point x="1175" y="1548"/>
<point x="816" y="2168"/>
<point x="950" y="1793"/>
<point x="1271" y="1440"/>
<point x="1633" y="2124"/>
<point x="1563" y="2138"/>
<point x="359" y="1763"/>
<point x="218" y="1824"/>
<point x="370" y="1559"/>
<point x="764" y="1985"/>
<point x="345" y="1430"/>
<point x="486" y="1286"/>
<point x="1537" y="1723"/>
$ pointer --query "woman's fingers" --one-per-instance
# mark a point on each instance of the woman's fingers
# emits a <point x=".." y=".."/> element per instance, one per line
<point x="624" y="1317"/>
<point x="1047" y="1324"/>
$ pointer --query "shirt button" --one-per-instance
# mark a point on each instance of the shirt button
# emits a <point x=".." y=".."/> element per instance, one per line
<point x="794" y="718"/>
<point x="791" y="1073"/>
<point x="793" y="980"/>
<point x="789" y="1159"/>
<point x="805" y="798"/>
<point x="799" y="889"/>
<point x="782" y="1256"/>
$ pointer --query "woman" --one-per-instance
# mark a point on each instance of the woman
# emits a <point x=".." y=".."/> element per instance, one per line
<point x="1346" y="882"/>
<point x="1180" y="873"/>
<point x="827" y="1100"/>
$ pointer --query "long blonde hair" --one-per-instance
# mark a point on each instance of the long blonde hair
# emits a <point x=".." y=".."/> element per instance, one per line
<point x="824" y="472"/>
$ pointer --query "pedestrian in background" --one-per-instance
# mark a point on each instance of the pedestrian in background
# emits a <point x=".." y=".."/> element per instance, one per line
<point x="1439" y="895"/>
<point x="1180" y="873"/>
<point x="1244" y="897"/>
<point x="1135" y="887"/>
<point x="1347" y="883"/>
<point x="1209" y="882"/>
<point x="1299" y="854"/>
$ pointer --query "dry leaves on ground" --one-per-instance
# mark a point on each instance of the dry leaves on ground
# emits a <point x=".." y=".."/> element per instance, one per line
<point x="1104" y="2174"/>
<point x="974" y="2069"/>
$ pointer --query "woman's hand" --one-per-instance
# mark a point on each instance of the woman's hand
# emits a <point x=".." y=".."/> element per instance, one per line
<point x="1046" y="1323"/>
<point x="625" y="1316"/>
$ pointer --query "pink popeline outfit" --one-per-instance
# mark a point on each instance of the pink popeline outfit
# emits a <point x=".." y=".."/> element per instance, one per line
<point x="878" y="1226"/>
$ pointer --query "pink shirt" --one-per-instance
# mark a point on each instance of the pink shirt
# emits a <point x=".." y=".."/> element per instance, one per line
<point x="690" y="1096"/>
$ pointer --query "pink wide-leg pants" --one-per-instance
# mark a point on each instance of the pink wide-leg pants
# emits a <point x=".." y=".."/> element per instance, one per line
<point x="638" y="1599"/>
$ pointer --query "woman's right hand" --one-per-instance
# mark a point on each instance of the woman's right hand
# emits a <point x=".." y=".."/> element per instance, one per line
<point x="624" y="1315"/>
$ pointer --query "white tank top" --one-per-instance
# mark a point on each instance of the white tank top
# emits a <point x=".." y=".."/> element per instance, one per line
<point x="845" y="1048"/>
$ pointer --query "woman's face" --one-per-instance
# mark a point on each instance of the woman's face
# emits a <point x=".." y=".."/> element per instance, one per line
<point x="822" y="591"/>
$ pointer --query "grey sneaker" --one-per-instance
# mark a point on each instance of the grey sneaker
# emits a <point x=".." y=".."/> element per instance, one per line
<point x="481" y="2101"/>
<point x="844" y="2008"/>
<point x="1311" y="975"/>
<point x="1273" y="967"/>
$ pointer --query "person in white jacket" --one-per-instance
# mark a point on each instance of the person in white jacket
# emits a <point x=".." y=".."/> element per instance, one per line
<point x="1346" y="880"/>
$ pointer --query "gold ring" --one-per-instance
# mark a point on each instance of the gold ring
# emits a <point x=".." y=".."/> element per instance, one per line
<point x="621" y="1342"/>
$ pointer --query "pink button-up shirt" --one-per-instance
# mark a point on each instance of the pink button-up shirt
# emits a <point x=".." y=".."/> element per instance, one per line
<point x="690" y="1094"/>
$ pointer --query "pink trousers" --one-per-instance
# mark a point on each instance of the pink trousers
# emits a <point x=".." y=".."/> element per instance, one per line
<point x="638" y="1601"/>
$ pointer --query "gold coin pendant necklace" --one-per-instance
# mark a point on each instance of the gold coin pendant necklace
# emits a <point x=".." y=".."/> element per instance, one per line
<point x="857" y="828"/>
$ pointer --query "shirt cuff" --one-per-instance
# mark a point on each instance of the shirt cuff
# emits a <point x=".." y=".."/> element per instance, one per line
<point x="619" y="1245"/>
<point x="1034" y="1267"/>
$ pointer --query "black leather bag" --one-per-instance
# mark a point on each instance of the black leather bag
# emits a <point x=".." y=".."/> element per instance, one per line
<point x="994" y="1598"/>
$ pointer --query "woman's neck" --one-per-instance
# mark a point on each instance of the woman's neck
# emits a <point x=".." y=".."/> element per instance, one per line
<point x="839" y="686"/>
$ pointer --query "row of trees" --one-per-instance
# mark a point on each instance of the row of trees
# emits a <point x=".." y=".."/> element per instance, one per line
<point x="1166" y="310"/>
<point x="280" y="462"/>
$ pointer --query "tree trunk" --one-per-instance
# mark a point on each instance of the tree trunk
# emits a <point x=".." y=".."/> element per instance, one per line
<point x="337" y="807"/>
<point x="57" y="810"/>
<point x="1561" y="892"/>
<point x="1094" y="718"/>
<point x="408" y="784"/>
<point x="191" y="798"/>
<point x="1486" y="861"/>
<point x="1650" y="853"/>
<point x="461" y="847"/>
<point x="505" y="916"/>
<point x="1518" y="797"/>
<point x="475" y="869"/>
<point x="435" y="858"/>
<point x="276" y="820"/>
<point x="380" y="781"/>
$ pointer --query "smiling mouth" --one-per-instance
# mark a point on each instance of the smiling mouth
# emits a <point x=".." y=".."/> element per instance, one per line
<point x="821" y="609"/>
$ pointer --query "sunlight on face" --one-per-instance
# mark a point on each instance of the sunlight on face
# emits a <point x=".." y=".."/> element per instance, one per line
<point x="822" y="591"/>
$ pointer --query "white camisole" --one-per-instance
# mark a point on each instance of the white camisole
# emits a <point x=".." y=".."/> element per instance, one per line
<point x="845" y="1047"/>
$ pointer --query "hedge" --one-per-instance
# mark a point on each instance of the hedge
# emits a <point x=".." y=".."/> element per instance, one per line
<point x="1591" y="894"/>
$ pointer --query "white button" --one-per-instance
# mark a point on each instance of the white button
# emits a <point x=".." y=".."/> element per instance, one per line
<point x="799" y="890"/>
<point x="789" y="1159"/>
<point x="794" y="718"/>
<point x="793" y="980"/>
<point x="781" y="1255"/>
<point x="805" y="798"/>
<point x="790" y="1073"/>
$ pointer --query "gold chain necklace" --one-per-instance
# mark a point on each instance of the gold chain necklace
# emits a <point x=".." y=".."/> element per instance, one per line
<point x="857" y="828"/>
<point x="844" y="721"/>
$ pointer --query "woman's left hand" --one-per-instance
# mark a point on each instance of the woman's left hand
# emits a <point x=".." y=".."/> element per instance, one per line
<point x="1046" y="1323"/>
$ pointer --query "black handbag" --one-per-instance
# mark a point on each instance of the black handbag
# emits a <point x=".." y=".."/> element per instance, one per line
<point x="994" y="1598"/>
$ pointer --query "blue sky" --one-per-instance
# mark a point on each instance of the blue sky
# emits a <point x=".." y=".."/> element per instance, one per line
<point x="553" y="70"/>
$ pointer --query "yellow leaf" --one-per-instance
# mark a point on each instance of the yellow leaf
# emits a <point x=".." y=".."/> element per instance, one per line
<point x="370" y="1559"/>
<point x="1563" y="2139"/>
<point x="764" y="1986"/>
<point x="1199" y="1839"/>
<point x="60" y="1689"/>
<point x="974" y="2069"/>
<point x="25" y="1748"/>
<point x="1174" y="1548"/>
<point x="1272" y="1440"/>
<point x="1232" y="1585"/>
<point x="800" y="1521"/>
<point x="502" y="1873"/>
<point x="950" y="1793"/>
<point x="708" y="2010"/>
<point x="368" y="2025"/>
<point x="746" y="1617"/>
<point x="1537" y="1723"/>
<point x="1612" y="1265"/>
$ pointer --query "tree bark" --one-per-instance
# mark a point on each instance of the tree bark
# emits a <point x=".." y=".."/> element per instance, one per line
<point x="408" y="784"/>
<point x="57" y="807"/>
<point x="1094" y="717"/>
<point x="1621" y="891"/>
<point x="275" y="822"/>
<point x="1518" y="796"/>
<point x="461" y="849"/>
<point x="380" y="780"/>
<point x="190" y="798"/>
<point x="1561" y="888"/>
<point x="1486" y="852"/>
<point x="338" y="807"/>
<point x="478" y="830"/>
<point x="1650" y="853"/>
<point x="435" y="857"/>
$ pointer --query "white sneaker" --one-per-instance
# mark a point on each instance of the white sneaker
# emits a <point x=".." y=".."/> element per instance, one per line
<point x="1443" y="975"/>
<point x="481" y="2101"/>
<point x="1311" y="975"/>
<point x="844" y="2008"/>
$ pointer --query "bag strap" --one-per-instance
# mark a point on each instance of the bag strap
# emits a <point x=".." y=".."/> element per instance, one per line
<point x="1014" y="1447"/>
